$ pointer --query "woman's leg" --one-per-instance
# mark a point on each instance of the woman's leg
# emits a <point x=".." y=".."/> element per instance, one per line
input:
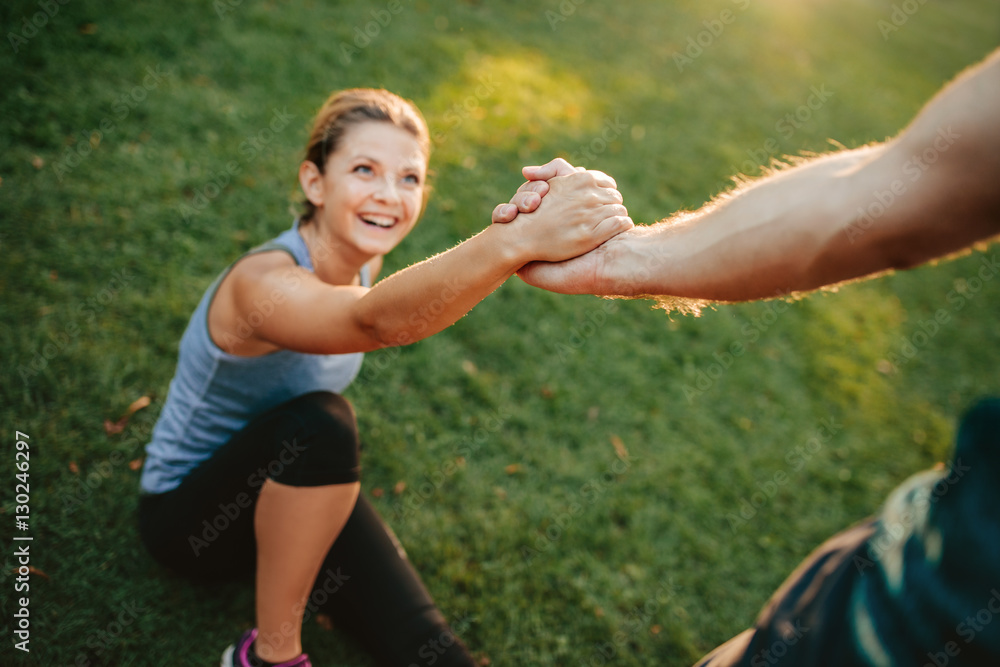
<point x="295" y="527"/>
<point x="370" y="589"/>
<point x="297" y="467"/>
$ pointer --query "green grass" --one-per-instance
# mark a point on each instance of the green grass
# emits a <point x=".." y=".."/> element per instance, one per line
<point x="574" y="551"/>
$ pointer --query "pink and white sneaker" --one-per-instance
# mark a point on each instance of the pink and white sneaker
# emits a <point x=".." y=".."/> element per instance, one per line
<point x="238" y="655"/>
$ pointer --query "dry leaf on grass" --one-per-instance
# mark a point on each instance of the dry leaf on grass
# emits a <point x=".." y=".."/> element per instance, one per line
<point x="619" y="446"/>
<point x="33" y="570"/>
<point x="114" y="428"/>
<point x="139" y="404"/>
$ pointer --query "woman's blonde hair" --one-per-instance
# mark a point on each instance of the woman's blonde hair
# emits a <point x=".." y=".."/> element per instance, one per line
<point x="352" y="107"/>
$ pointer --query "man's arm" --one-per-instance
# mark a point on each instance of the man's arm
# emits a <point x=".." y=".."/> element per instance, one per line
<point x="931" y="191"/>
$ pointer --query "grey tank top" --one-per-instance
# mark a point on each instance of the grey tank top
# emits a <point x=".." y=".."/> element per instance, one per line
<point x="214" y="394"/>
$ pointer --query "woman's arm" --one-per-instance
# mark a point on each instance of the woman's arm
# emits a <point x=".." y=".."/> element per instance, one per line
<point x="280" y="306"/>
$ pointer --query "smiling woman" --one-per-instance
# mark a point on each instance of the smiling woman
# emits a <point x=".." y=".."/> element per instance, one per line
<point x="253" y="466"/>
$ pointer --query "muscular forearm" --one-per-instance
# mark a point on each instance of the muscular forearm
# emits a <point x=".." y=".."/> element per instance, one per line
<point x="930" y="192"/>
<point x="773" y="237"/>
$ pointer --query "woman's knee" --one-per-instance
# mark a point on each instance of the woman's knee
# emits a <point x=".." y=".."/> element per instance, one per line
<point x="324" y="448"/>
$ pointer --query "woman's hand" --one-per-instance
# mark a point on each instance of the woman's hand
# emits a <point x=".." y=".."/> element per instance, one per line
<point x="529" y="195"/>
<point x="580" y="211"/>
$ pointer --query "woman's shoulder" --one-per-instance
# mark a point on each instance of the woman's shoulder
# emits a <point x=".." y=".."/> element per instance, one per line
<point x="263" y="265"/>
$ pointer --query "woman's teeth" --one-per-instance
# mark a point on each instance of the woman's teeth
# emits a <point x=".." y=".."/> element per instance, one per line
<point x="383" y="221"/>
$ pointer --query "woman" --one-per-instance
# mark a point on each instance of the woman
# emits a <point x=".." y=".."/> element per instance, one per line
<point x="253" y="464"/>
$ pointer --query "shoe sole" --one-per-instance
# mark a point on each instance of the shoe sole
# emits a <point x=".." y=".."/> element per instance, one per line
<point x="227" y="657"/>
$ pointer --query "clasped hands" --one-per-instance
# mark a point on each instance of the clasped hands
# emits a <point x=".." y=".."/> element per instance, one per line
<point x="552" y="182"/>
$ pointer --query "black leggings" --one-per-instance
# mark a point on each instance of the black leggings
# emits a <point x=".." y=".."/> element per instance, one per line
<point x="203" y="529"/>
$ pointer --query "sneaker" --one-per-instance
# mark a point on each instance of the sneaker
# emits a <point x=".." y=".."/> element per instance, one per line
<point x="238" y="655"/>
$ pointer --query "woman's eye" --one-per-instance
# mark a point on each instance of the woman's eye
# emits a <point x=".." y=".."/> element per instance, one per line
<point x="363" y="169"/>
<point x="412" y="179"/>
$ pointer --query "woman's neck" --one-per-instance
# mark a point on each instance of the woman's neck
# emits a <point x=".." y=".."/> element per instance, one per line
<point x="332" y="261"/>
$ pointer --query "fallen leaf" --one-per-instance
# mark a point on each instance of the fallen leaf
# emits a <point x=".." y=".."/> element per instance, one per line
<point x="501" y="493"/>
<point x="598" y="612"/>
<point x="33" y="570"/>
<point x="399" y="488"/>
<point x="135" y="464"/>
<point x="377" y="492"/>
<point x="484" y="661"/>
<point x="74" y="468"/>
<point x="37" y="161"/>
<point x="513" y="469"/>
<point x="324" y="621"/>
<point x="469" y="367"/>
<point x="88" y="28"/>
<point x="114" y="428"/>
<point x="619" y="446"/>
<point x="53" y="275"/>
<point x="656" y="629"/>
<point x="138" y="404"/>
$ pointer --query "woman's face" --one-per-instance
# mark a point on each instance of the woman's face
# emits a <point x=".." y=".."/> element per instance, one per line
<point x="371" y="192"/>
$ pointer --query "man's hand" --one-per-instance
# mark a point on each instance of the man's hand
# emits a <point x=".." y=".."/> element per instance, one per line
<point x="529" y="196"/>
<point x="583" y="210"/>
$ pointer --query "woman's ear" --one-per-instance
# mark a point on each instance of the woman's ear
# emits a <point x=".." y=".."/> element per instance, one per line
<point x="311" y="181"/>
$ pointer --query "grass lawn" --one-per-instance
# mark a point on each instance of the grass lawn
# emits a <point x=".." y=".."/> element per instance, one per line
<point x="572" y="476"/>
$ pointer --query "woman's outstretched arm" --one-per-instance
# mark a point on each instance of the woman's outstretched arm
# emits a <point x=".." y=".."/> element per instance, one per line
<point x="282" y="306"/>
